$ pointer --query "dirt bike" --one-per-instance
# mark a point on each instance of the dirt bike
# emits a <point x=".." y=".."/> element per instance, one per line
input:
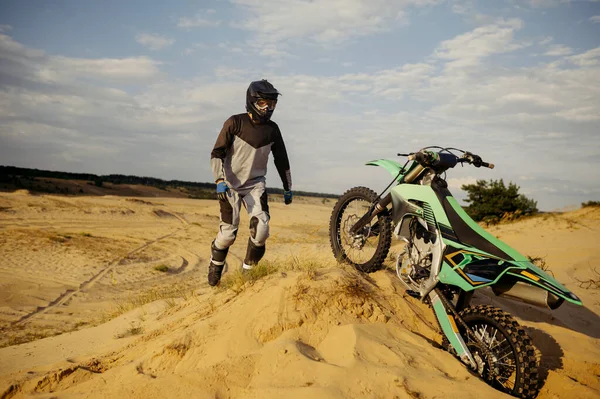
<point x="446" y="257"/>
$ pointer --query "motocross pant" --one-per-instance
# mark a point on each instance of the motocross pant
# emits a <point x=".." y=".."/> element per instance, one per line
<point x="255" y="201"/>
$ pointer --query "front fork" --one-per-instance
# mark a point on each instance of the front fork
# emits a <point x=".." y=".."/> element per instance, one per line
<point x="447" y="322"/>
<point x="374" y="211"/>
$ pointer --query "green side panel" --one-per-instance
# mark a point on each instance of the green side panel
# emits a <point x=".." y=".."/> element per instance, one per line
<point x="442" y="316"/>
<point x="391" y="166"/>
<point x="451" y="277"/>
<point x="469" y="248"/>
<point x="519" y="260"/>
<point x="479" y="230"/>
<point x="425" y="194"/>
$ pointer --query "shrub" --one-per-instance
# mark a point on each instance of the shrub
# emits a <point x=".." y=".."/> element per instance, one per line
<point x="590" y="204"/>
<point x="492" y="201"/>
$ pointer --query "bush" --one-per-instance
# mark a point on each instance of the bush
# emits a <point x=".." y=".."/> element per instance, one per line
<point x="590" y="204"/>
<point x="492" y="201"/>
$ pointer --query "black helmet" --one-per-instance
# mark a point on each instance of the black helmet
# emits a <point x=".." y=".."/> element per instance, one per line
<point x="267" y="94"/>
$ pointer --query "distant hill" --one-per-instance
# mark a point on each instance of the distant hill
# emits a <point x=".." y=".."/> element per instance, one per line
<point x="56" y="182"/>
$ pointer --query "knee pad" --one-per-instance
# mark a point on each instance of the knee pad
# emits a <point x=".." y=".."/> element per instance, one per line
<point x="225" y="238"/>
<point x="259" y="230"/>
<point x="218" y="255"/>
<point x="254" y="253"/>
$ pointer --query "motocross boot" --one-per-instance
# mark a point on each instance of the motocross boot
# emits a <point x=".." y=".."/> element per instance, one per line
<point x="217" y="264"/>
<point x="254" y="254"/>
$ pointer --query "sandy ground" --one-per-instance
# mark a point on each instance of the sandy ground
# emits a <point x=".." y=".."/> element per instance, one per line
<point x="107" y="297"/>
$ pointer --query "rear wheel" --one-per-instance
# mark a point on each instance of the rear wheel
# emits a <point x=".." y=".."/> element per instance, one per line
<point x="512" y="366"/>
<point x="366" y="250"/>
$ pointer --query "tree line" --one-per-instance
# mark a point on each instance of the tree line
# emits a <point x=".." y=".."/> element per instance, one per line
<point x="8" y="174"/>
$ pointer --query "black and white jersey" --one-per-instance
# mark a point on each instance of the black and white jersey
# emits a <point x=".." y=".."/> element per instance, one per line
<point x="241" y="153"/>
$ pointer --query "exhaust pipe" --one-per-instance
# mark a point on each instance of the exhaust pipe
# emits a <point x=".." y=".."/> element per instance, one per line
<point x="527" y="293"/>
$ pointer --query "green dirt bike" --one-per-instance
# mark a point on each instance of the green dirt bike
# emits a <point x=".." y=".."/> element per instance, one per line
<point x="446" y="257"/>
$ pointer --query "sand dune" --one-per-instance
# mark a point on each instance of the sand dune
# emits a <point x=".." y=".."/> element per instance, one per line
<point x="85" y="310"/>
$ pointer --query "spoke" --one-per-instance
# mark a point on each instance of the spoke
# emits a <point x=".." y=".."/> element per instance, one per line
<point x="507" y="365"/>
<point x="509" y="384"/>
<point x="509" y="353"/>
<point x="493" y="339"/>
<point x="499" y="344"/>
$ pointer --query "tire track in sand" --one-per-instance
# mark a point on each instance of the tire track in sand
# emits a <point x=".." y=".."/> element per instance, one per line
<point x="68" y="294"/>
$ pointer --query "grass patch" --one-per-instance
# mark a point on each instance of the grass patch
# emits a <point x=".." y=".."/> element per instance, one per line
<point x="236" y="280"/>
<point x="11" y="339"/>
<point x="161" y="268"/>
<point x="132" y="330"/>
<point x="149" y="296"/>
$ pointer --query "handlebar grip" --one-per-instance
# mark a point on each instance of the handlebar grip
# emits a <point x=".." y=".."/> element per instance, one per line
<point x="487" y="165"/>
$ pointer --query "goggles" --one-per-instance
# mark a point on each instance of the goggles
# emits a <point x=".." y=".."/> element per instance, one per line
<point x="265" y="103"/>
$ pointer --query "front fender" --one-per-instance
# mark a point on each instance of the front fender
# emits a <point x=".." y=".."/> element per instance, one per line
<point x="393" y="167"/>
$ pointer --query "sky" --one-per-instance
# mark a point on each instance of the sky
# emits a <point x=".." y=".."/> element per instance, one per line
<point x="143" y="87"/>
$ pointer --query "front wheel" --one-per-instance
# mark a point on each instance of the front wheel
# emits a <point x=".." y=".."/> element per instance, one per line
<point x="511" y="366"/>
<point x="367" y="249"/>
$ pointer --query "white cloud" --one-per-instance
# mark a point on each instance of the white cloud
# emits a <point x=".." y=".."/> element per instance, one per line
<point x="201" y="20"/>
<point x="323" y="21"/>
<point x="154" y="41"/>
<point x="588" y="59"/>
<point x="545" y="3"/>
<point x="467" y="50"/>
<point x="558" y="50"/>
<point x="390" y="82"/>
<point x="595" y="19"/>
<point x="5" y="28"/>
<point x="553" y="3"/>
<point x="509" y="115"/>
<point x="38" y="66"/>
<point x="456" y="183"/>
<point x="195" y="47"/>
<point x="581" y="114"/>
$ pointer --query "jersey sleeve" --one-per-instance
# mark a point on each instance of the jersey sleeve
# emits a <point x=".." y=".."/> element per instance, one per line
<point x="281" y="160"/>
<point x="221" y="148"/>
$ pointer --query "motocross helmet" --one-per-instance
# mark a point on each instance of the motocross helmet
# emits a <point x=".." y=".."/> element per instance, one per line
<point x="261" y="99"/>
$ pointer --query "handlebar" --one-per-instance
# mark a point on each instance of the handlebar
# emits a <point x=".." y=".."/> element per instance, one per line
<point x="446" y="160"/>
<point x="476" y="161"/>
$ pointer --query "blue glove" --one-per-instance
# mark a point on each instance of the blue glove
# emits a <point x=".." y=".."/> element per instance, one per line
<point x="222" y="191"/>
<point x="287" y="197"/>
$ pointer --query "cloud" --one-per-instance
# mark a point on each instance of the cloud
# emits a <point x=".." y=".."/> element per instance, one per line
<point x="201" y="20"/>
<point x="154" y="41"/>
<point x="195" y="47"/>
<point x="20" y="62"/>
<point x="5" y="28"/>
<point x="595" y="19"/>
<point x="323" y="21"/>
<point x="558" y="50"/>
<point x="468" y="49"/>
<point x="116" y="115"/>
<point x="590" y="58"/>
<point x="553" y="3"/>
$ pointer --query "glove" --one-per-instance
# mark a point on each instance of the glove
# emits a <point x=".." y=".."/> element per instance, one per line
<point x="287" y="197"/>
<point x="222" y="191"/>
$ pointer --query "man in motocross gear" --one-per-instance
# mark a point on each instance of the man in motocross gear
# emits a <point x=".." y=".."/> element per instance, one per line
<point x="239" y="164"/>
